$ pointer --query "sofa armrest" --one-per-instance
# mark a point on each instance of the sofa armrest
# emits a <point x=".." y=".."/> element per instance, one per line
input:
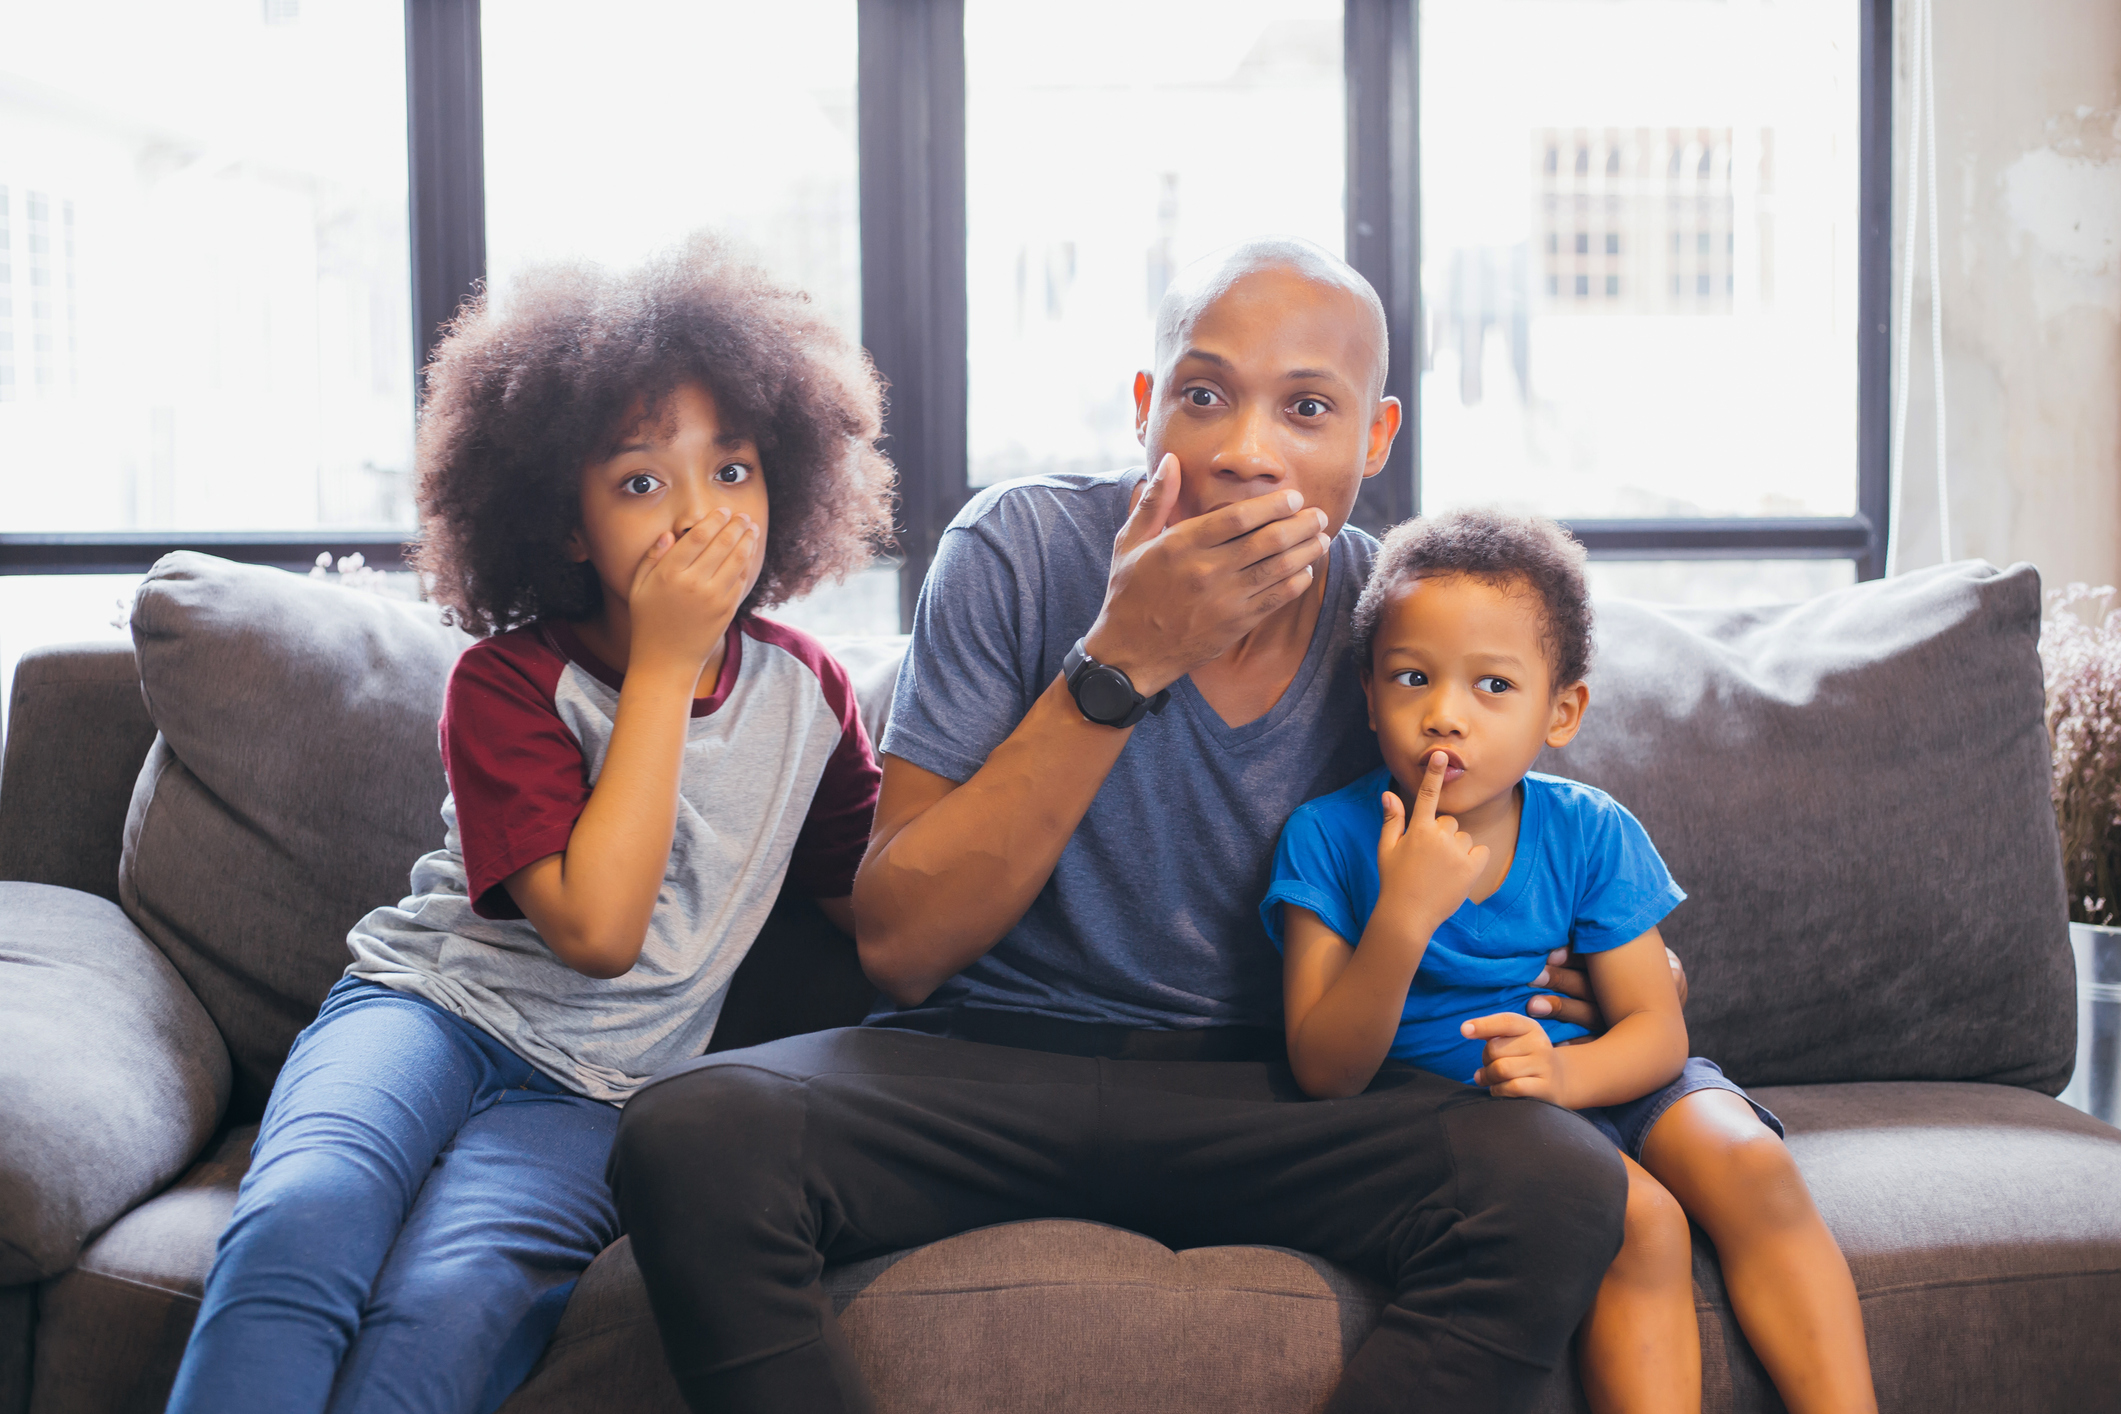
<point x="112" y="1078"/>
<point x="77" y="731"/>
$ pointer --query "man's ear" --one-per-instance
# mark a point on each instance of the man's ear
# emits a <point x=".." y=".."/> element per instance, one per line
<point x="1568" y="714"/>
<point x="1383" y="428"/>
<point x="1144" y="390"/>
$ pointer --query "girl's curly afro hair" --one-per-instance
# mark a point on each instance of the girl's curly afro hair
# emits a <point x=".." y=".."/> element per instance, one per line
<point x="521" y="398"/>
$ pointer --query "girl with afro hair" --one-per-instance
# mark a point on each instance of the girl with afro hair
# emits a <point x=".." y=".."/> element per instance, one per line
<point x="617" y="472"/>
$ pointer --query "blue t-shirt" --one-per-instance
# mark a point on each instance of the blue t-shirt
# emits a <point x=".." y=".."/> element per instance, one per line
<point x="1147" y="920"/>
<point x="1585" y="875"/>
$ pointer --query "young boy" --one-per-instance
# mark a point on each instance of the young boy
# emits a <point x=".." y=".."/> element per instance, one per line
<point x="1417" y="934"/>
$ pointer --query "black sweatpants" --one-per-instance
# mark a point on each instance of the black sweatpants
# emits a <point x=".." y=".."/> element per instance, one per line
<point x="742" y="1174"/>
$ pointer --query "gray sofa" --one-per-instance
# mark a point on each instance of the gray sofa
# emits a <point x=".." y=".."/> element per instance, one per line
<point x="1852" y="790"/>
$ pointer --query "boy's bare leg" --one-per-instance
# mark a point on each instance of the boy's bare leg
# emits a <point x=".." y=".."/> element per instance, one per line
<point x="1639" y="1350"/>
<point x="1790" y="1286"/>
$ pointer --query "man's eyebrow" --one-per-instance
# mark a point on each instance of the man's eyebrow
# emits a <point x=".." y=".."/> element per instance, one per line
<point x="1205" y="357"/>
<point x="1306" y="375"/>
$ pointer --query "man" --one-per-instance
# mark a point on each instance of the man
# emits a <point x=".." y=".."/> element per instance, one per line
<point x="1118" y="689"/>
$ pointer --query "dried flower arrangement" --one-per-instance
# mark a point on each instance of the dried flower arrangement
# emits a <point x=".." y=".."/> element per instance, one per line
<point x="2080" y="652"/>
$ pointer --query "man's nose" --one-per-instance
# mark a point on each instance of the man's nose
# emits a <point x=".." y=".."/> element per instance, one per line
<point x="1253" y="451"/>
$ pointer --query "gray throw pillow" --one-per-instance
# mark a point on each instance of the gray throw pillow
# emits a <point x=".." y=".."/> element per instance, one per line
<point x="1853" y="791"/>
<point x="296" y="778"/>
<point x="111" y="1079"/>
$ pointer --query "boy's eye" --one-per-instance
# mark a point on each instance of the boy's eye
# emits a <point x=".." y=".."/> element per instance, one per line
<point x="1310" y="407"/>
<point x="734" y="474"/>
<point x="641" y="483"/>
<point x="1410" y="678"/>
<point x="1493" y="684"/>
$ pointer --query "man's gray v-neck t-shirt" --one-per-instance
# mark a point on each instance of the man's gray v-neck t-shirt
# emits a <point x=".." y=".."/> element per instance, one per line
<point x="1151" y="917"/>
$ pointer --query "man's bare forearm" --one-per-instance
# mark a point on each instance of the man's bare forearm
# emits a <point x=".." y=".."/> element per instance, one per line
<point x="950" y="869"/>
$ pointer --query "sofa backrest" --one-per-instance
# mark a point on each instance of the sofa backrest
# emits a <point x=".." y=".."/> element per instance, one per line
<point x="76" y="734"/>
<point x="1852" y="790"/>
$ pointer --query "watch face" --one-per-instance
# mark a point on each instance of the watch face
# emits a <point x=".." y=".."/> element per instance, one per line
<point x="1105" y="695"/>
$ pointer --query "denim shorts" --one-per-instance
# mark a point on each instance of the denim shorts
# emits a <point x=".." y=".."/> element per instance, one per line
<point x="1629" y="1124"/>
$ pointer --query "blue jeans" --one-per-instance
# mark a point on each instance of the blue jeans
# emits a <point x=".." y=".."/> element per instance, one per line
<point x="419" y="1204"/>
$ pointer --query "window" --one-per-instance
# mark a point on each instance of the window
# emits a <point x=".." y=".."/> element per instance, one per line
<point x="587" y="180"/>
<point x="1720" y="142"/>
<point x="204" y="215"/>
<point x="203" y="262"/>
<point x="1089" y="184"/>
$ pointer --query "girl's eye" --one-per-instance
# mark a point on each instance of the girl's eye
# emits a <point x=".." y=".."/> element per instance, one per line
<point x="1493" y="684"/>
<point x="734" y="474"/>
<point x="1411" y="678"/>
<point x="641" y="483"/>
<point x="1310" y="407"/>
<point x="1200" y="397"/>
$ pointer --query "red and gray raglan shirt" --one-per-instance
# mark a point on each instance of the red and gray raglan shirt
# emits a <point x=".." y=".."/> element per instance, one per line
<point x="778" y="782"/>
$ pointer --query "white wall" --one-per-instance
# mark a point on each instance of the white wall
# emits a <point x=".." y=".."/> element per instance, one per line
<point x="2029" y="184"/>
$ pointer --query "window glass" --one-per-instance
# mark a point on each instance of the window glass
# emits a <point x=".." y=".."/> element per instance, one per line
<point x="204" y="287"/>
<point x="40" y="609"/>
<point x="1706" y="582"/>
<point x="615" y="130"/>
<point x="1107" y="144"/>
<point x="1639" y="237"/>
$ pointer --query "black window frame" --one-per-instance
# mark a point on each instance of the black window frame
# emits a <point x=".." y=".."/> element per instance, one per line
<point x="911" y="107"/>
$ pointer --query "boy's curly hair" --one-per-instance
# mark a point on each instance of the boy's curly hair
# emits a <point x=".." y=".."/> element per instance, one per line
<point x="521" y="398"/>
<point x="1528" y="552"/>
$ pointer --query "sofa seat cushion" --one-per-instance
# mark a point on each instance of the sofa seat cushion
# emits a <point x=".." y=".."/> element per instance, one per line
<point x="1983" y="1226"/>
<point x="1982" y="1222"/>
<point x="111" y="1076"/>
<point x="110" y="1333"/>
<point x="1004" y="1318"/>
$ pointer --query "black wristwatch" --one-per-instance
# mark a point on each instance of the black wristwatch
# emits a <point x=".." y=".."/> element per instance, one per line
<point x="1104" y="694"/>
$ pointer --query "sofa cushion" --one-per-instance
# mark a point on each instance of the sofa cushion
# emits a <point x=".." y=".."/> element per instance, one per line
<point x="1004" y="1317"/>
<point x="1983" y="1226"/>
<point x="1979" y="1221"/>
<point x="110" y="1333"/>
<point x="1854" y="792"/>
<point x="111" y="1077"/>
<point x="296" y="778"/>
